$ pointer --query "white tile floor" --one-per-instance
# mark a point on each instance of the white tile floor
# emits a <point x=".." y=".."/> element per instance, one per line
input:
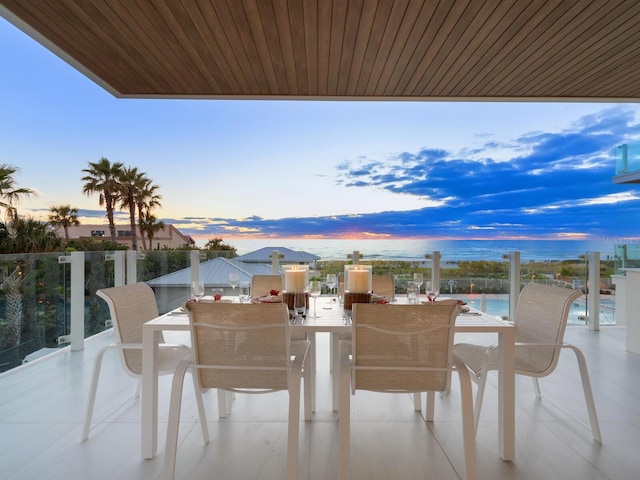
<point x="42" y="405"/>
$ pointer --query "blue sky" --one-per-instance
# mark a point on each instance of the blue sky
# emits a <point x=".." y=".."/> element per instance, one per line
<point x="321" y="169"/>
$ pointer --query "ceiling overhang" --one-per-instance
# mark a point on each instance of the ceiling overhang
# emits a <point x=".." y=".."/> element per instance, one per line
<point x="468" y="50"/>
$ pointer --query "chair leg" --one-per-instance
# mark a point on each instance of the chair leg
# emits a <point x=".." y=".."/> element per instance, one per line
<point x="431" y="406"/>
<point x="201" y="411"/>
<point x="536" y="387"/>
<point x="223" y="408"/>
<point x="469" y="429"/>
<point x="308" y="387"/>
<point x="447" y="391"/>
<point x="417" y="401"/>
<point x="344" y="416"/>
<point x="482" y="382"/>
<point x="293" y="436"/>
<point x="588" y="394"/>
<point x="97" y="364"/>
<point x="173" y="423"/>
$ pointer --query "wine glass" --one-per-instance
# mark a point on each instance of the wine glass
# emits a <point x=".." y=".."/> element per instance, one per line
<point x="234" y="278"/>
<point x="332" y="281"/>
<point x="315" y="287"/>
<point x="197" y="290"/>
<point x="432" y="292"/>
<point x="299" y="304"/>
<point x="418" y="279"/>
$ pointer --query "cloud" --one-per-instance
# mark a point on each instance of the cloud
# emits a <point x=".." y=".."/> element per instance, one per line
<point x="543" y="184"/>
<point x="554" y="185"/>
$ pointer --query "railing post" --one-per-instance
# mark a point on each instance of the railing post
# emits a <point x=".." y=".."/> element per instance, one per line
<point x="76" y="335"/>
<point x="356" y="256"/>
<point x="514" y="282"/>
<point x="435" y="268"/>
<point x="118" y="260"/>
<point x="624" y="158"/>
<point x="195" y="265"/>
<point x="132" y="266"/>
<point x="593" y="289"/>
<point x="275" y="262"/>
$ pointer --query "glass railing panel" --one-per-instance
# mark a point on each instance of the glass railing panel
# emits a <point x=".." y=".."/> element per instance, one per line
<point x="627" y="158"/>
<point x="626" y="256"/>
<point x="32" y="307"/>
<point x="35" y="308"/>
<point x="35" y="298"/>
<point x="168" y="273"/>
<point x="485" y="284"/>
<point x="98" y="273"/>
<point x="158" y="263"/>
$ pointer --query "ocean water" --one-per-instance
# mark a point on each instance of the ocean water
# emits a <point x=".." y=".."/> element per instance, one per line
<point x="450" y="250"/>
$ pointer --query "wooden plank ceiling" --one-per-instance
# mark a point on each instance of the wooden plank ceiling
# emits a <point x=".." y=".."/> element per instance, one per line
<point x="576" y="50"/>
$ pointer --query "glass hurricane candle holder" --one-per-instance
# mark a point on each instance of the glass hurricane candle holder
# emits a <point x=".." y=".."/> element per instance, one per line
<point x="296" y="277"/>
<point x="358" y="278"/>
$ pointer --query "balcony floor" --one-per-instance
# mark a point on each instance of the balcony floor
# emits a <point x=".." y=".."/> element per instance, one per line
<point x="42" y="406"/>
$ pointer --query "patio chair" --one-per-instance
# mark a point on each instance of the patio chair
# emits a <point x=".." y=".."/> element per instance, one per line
<point x="263" y="284"/>
<point x="540" y="323"/>
<point x="384" y="285"/>
<point x="130" y="306"/>
<point x="402" y="349"/>
<point x="243" y="349"/>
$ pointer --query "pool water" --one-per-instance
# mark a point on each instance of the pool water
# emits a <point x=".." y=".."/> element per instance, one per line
<point x="498" y="305"/>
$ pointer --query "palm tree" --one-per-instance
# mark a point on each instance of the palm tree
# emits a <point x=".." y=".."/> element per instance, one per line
<point x="216" y="245"/>
<point x="150" y="225"/>
<point x="64" y="216"/>
<point x="27" y="235"/>
<point x="102" y="178"/>
<point x="146" y="200"/>
<point x="12" y="286"/>
<point x="10" y="194"/>
<point x="129" y="181"/>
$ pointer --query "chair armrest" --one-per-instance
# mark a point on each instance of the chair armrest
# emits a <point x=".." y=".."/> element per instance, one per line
<point x="174" y="346"/>
<point x="127" y="346"/>
<point x="538" y="345"/>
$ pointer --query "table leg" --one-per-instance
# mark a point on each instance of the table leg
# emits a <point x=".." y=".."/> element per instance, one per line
<point x="506" y="401"/>
<point x="313" y="352"/>
<point x="149" y="394"/>
<point x="335" y="374"/>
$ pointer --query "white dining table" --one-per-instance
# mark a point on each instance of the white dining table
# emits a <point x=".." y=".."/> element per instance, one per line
<point x="333" y="321"/>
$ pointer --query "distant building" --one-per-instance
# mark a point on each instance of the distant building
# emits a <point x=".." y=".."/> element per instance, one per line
<point x="168" y="237"/>
<point x="287" y="256"/>
<point x="174" y="288"/>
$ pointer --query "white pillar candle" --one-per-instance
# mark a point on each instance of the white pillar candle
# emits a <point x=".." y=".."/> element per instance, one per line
<point x="295" y="280"/>
<point x="358" y="281"/>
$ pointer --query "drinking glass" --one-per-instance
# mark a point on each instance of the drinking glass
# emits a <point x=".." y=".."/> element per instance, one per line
<point x="234" y="278"/>
<point x="244" y="292"/>
<point x="197" y="290"/>
<point x="299" y="304"/>
<point x="315" y="287"/>
<point x="332" y="281"/>
<point x="412" y="292"/>
<point x="217" y="294"/>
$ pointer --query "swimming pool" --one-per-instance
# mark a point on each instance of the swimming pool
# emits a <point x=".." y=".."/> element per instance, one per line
<point x="498" y="305"/>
